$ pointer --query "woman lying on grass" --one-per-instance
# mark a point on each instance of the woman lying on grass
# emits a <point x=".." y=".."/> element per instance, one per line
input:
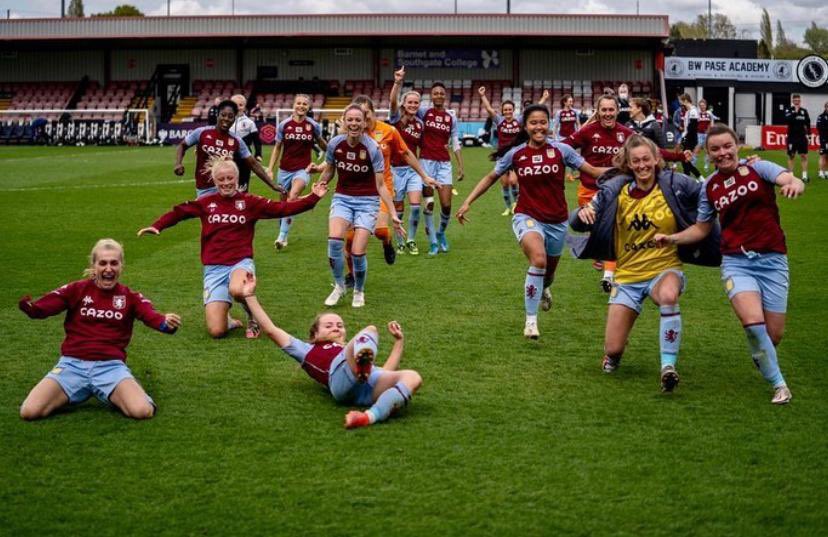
<point x="346" y="369"/>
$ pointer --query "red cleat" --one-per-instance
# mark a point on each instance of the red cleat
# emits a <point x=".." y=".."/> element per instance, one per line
<point x="364" y="363"/>
<point x="355" y="419"/>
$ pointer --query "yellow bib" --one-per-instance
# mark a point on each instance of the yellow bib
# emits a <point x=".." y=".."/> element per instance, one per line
<point x="636" y="223"/>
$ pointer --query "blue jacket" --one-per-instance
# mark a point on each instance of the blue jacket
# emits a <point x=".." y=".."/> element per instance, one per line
<point x="682" y="195"/>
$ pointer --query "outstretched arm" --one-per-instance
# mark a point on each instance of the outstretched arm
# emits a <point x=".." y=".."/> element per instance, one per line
<point x="479" y="189"/>
<point x="257" y="168"/>
<point x="691" y="235"/>
<point x="279" y="336"/>
<point x="274" y="156"/>
<point x="399" y="76"/>
<point x="180" y="149"/>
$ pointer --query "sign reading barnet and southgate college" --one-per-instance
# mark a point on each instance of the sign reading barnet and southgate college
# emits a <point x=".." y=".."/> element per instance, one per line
<point x="448" y="58"/>
<point x="742" y="69"/>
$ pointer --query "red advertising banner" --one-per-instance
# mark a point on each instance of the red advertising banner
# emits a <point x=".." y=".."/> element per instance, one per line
<point x="776" y="137"/>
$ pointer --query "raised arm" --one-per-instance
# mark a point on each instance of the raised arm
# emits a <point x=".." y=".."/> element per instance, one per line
<point x="485" y="102"/>
<point x="394" y="97"/>
<point x="394" y="357"/>
<point x="279" y="336"/>
<point x="182" y="211"/>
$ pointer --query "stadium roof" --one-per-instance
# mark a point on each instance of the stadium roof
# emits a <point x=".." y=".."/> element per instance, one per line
<point x="328" y="26"/>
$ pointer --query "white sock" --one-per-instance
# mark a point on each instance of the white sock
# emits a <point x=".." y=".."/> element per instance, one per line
<point x="532" y="319"/>
<point x="609" y="274"/>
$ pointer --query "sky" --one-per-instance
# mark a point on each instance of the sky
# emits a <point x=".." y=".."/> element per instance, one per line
<point x="796" y="15"/>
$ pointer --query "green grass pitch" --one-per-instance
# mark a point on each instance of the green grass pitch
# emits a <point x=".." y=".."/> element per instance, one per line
<point x="506" y="437"/>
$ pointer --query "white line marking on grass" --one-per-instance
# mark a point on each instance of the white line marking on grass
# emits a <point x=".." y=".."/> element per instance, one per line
<point x="82" y="187"/>
<point x="75" y="155"/>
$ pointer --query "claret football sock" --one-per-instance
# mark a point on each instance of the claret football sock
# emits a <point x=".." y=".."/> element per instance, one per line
<point x="669" y="334"/>
<point x="532" y="289"/>
<point x="336" y="257"/>
<point x="764" y="353"/>
<point x="391" y="399"/>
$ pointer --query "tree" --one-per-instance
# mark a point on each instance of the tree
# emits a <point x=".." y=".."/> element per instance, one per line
<point x="766" y="36"/>
<point x="781" y="39"/>
<point x="124" y="10"/>
<point x="75" y="8"/>
<point x="785" y="48"/>
<point x="721" y="28"/>
<point x="817" y="39"/>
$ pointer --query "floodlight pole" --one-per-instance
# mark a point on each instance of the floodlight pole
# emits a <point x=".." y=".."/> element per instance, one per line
<point x="709" y="19"/>
<point x="508" y="7"/>
<point x="62" y="9"/>
<point x="168" y="8"/>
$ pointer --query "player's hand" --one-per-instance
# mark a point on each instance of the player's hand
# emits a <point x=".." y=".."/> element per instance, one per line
<point x="430" y="181"/>
<point x="25" y="303"/>
<point x="397" y="223"/>
<point x="482" y="91"/>
<point x="173" y="320"/>
<point x="663" y="240"/>
<point x="587" y="214"/>
<point x="151" y="230"/>
<point x="179" y="169"/>
<point x="249" y="285"/>
<point x="399" y="74"/>
<point x="461" y="213"/>
<point x="750" y="160"/>
<point x="395" y="330"/>
<point x="320" y="189"/>
<point x="314" y="168"/>
<point x="545" y="95"/>
<point x="794" y="189"/>
<point x="688" y="155"/>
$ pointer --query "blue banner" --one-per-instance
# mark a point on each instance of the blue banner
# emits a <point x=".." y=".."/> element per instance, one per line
<point x="448" y="58"/>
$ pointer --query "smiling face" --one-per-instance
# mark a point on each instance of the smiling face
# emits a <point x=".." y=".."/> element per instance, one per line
<point x="301" y="105"/>
<point x="537" y="127"/>
<point x="411" y="103"/>
<point x="226" y="179"/>
<point x="438" y="96"/>
<point x="226" y="118"/>
<point x="568" y="103"/>
<point x="508" y="111"/>
<point x="107" y="267"/>
<point x="607" y="112"/>
<point x="330" y="327"/>
<point x="723" y="150"/>
<point x="643" y="163"/>
<point x="354" y="121"/>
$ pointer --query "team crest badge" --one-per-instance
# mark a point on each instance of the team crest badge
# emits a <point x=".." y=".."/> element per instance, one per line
<point x="119" y="302"/>
<point x="614" y="291"/>
<point x="56" y="370"/>
<point x="550" y="153"/>
<point x="729" y="182"/>
<point x="350" y="156"/>
<point x="537" y="159"/>
<point x="530" y="223"/>
<point x="240" y="205"/>
<point x="230" y="142"/>
<point x="729" y="285"/>
<point x="620" y="137"/>
<point x="362" y="154"/>
<point x="743" y="171"/>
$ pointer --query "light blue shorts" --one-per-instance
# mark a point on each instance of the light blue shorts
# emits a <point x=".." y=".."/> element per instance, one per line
<point x="81" y="379"/>
<point x="344" y="386"/>
<point x="439" y="170"/>
<point x="359" y="211"/>
<point x="703" y="141"/>
<point x="201" y="192"/>
<point x="405" y="180"/>
<point x="632" y="295"/>
<point x="286" y="178"/>
<point x="766" y="274"/>
<point x="217" y="280"/>
<point x="553" y="235"/>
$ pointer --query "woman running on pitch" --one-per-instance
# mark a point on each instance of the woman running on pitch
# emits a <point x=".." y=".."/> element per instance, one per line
<point x="218" y="141"/>
<point x="706" y="118"/>
<point x="100" y="313"/>
<point x="357" y="161"/>
<point x="346" y="368"/>
<point x="541" y="214"/>
<point x="295" y="138"/>
<point x="755" y="261"/>
<point x="508" y="126"/>
<point x="228" y="223"/>
<point x="566" y="120"/>
<point x="623" y="218"/>
<point x="406" y="181"/>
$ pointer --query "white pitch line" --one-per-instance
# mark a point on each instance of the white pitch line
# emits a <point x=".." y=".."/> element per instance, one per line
<point x="75" y="155"/>
<point x="83" y="187"/>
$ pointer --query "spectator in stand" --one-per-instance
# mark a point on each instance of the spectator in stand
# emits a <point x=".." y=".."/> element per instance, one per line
<point x="623" y="104"/>
<point x="213" y="112"/>
<point x="822" y="130"/>
<point x="245" y="128"/>
<point x="799" y="126"/>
